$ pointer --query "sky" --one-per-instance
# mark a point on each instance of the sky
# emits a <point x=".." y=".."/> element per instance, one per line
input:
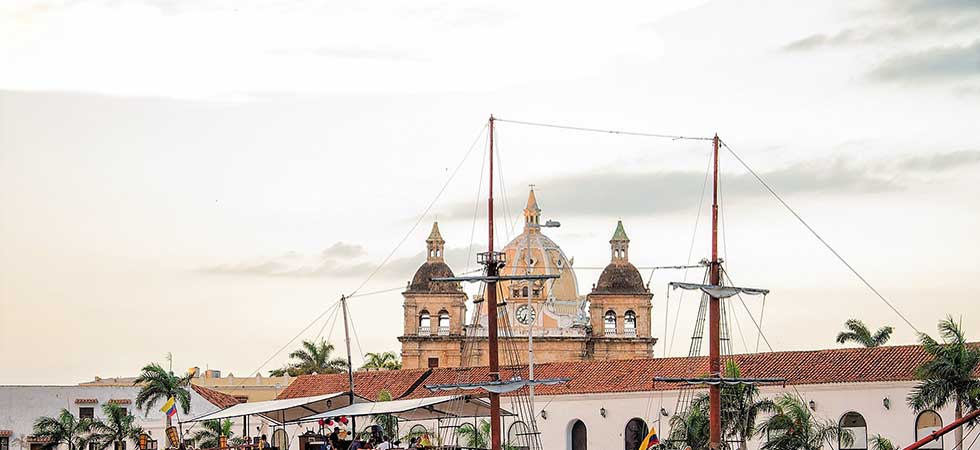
<point x="207" y="178"/>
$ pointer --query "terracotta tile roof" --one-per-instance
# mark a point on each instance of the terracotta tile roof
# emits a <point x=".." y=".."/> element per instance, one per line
<point x="219" y="399"/>
<point x="366" y="384"/>
<point x="86" y="401"/>
<point x="845" y="365"/>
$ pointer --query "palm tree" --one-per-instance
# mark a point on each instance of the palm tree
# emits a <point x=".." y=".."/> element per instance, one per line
<point x="475" y="437"/>
<point x="209" y="436"/>
<point x="64" y="429"/>
<point x="948" y="375"/>
<point x="879" y="442"/>
<point x="858" y="332"/>
<point x="384" y="361"/>
<point x="740" y="408"/>
<point x="387" y="422"/>
<point x="740" y="403"/>
<point x="159" y="385"/>
<point x="312" y="358"/>
<point x="792" y="427"/>
<point x="118" y="426"/>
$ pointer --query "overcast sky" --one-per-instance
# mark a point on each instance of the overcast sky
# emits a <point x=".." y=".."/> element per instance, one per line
<point x="206" y="178"/>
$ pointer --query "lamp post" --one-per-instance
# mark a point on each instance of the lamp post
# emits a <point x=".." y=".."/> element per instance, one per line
<point x="530" y="293"/>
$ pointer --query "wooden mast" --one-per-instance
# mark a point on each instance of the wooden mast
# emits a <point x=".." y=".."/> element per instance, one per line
<point x="492" y="269"/>
<point x="714" y="318"/>
<point x="350" y="366"/>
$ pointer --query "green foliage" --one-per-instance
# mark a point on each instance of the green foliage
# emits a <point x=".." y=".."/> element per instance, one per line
<point x="158" y="385"/>
<point x="209" y="436"/>
<point x="477" y="437"/>
<point x="118" y="426"/>
<point x="793" y="427"/>
<point x="383" y="361"/>
<point x="65" y="429"/>
<point x="858" y="332"/>
<point x="740" y="409"/>
<point x="387" y="422"/>
<point x="312" y="358"/>
<point x="948" y="375"/>
<point x="878" y="442"/>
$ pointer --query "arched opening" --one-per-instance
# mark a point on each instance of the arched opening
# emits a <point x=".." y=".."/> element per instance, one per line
<point x="444" y="323"/>
<point x="524" y="292"/>
<point x="636" y="430"/>
<point x="629" y="323"/>
<point x="854" y="422"/>
<point x="518" y="436"/>
<point x="927" y="422"/>
<point x="425" y="323"/>
<point x="578" y="436"/>
<point x="609" y="321"/>
<point x="466" y="436"/>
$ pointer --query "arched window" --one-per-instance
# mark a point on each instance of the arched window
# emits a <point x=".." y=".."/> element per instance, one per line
<point x="636" y="430"/>
<point x="524" y="292"/>
<point x="578" y="436"/>
<point x="927" y="422"/>
<point x="629" y="323"/>
<point x="518" y="436"/>
<point x="425" y="323"/>
<point x="444" y="323"/>
<point x="610" y="322"/>
<point x="854" y="422"/>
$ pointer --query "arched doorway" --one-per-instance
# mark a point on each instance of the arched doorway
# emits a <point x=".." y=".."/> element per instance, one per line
<point x="636" y="430"/>
<point x="927" y="422"/>
<point x="854" y="422"/>
<point x="579" y="436"/>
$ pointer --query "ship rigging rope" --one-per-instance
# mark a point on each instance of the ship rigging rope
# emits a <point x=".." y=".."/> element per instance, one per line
<point x="423" y="215"/>
<point x="819" y="238"/>
<point x="599" y="130"/>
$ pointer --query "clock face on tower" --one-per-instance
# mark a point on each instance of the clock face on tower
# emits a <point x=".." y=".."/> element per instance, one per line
<point x="525" y="314"/>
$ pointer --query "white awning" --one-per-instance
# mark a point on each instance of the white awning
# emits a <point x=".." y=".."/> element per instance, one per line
<point x="282" y="411"/>
<point x="417" y="409"/>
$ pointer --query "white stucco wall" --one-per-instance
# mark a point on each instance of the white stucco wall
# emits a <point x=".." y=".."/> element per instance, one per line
<point x="20" y="406"/>
<point x="832" y="401"/>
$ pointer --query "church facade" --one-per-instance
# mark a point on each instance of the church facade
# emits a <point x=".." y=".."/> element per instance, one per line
<point x="612" y="321"/>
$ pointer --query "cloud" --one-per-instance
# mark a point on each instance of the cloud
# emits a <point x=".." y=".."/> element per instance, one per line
<point x="613" y="193"/>
<point x="343" y="250"/>
<point x="620" y="194"/>
<point x="340" y="260"/>
<point x="932" y="64"/>
<point x="942" y="161"/>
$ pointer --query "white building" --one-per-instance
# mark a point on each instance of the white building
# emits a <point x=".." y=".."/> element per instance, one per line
<point x="864" y="390"/>
<point x="20" y="406"/>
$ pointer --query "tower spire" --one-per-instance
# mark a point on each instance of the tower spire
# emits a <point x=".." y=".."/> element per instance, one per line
<point x="620" y="244"/>
<point x="435" y="244"/>
<point x="532" y="214"/>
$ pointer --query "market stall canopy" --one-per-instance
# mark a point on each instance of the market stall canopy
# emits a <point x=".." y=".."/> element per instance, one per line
<point x="417" y="409"/>
<point x="282" y="411"/>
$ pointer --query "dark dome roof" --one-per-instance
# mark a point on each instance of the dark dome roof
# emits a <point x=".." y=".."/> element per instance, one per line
<point x="620" y="278"/>
<point x="421" y="282"/>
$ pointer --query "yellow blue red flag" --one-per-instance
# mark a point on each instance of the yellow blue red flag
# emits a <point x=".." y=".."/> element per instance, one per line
<point x="651" y="440"/>
<point x="170" y="408"/>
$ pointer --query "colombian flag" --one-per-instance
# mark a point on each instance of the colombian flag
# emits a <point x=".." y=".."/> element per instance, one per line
<point x="651" y="440"/>
<point x="170" y="407"/>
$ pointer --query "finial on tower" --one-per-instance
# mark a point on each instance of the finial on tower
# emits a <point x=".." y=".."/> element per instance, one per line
<point x="620" y="244"/>
<point x="435" y="244"/>
<point x="532" y="214"/>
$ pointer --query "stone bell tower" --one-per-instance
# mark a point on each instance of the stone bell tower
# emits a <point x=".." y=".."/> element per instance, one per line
<point x="434" y="312"/>
<point x="619" y="305"/>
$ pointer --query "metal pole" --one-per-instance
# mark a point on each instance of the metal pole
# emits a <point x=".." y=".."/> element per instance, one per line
<point x="350" y="365"/>
<point x="492" y="313"/>
<point x="530" y="326"/>
<point x="714" y="318"/>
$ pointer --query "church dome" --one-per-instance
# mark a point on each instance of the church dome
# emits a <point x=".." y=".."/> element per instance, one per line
<point x="422" y="281"/>
<point x="620" y="278"/>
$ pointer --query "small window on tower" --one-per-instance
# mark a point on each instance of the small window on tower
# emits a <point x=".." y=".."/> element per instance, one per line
<point x="433" y="363"/>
